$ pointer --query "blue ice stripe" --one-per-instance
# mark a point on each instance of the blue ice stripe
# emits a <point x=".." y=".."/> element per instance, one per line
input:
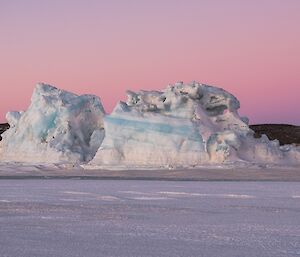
<point x="183" y="130"/>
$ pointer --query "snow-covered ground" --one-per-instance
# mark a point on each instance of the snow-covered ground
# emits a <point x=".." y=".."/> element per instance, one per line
<point x="205" y="173"/>
<point x="145" y="218"/>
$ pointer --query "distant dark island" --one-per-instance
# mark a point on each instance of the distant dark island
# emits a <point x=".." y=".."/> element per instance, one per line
<point x="284" y="133"/>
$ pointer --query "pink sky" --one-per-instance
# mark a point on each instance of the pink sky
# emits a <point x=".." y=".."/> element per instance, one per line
<point x="250" y="48"/>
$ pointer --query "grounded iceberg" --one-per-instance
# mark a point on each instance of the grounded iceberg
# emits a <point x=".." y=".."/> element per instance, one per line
<point x="184" y="126"/>
<point x="57" y="127"/>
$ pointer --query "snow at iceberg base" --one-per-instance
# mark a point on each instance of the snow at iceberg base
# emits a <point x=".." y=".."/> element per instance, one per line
<point x="58" y="127"/>
<point x="184" y="126"/>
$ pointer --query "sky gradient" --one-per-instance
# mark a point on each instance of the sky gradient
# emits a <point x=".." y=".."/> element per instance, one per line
<point x="250" y="48"/>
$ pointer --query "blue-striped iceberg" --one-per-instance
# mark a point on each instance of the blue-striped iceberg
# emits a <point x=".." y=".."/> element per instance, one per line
<point x="185" y="125"/>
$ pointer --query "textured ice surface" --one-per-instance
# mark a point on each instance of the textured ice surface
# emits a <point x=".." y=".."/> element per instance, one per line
<point x="57" y="127"/>
<point x="94" y="218"/>
<point x="185" y="125"/>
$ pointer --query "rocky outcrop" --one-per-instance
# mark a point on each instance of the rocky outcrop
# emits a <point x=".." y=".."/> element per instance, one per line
<point x="284" y="133"/>
<point x="3" y="127"/>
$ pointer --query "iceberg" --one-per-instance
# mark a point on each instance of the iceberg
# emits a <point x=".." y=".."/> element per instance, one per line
<point x="185" y="125"/>
<point x="58" y="127"/>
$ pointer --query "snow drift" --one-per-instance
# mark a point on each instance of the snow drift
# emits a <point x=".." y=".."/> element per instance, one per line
<point x="184" y="126"/>
<point x="57" y="127"/>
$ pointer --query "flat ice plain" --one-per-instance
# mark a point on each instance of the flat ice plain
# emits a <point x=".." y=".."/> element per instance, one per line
<point x="71" y="217"/>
